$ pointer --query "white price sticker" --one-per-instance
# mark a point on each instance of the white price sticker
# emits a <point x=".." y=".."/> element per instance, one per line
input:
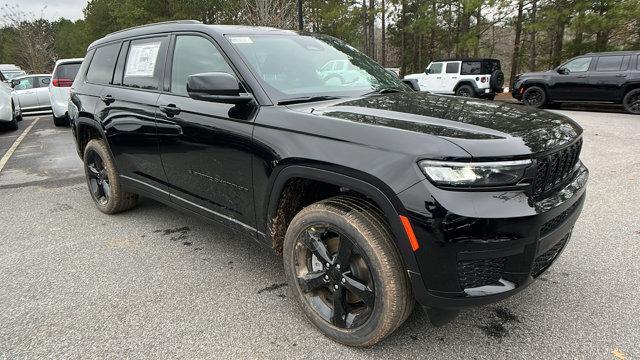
<point x="142" y="59"/>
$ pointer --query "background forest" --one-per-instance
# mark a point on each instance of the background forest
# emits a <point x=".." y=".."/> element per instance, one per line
<point x="407" y="34"/>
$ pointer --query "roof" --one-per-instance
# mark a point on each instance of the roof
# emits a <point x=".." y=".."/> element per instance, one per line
<point x="188" y="25"/>
<point x="29" y="75"/>
<point x="465" y="59"/>
<point x="66" y="61"/>
<point x="629" y="52"/>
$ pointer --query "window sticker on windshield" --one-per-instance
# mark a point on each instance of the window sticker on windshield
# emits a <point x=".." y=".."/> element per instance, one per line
<point x="142" y="59"/>
<point x="241" y="40"/>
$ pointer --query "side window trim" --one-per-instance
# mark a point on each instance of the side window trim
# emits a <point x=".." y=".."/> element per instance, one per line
<point x="169" y="61"/>
<point x="600" y="58"/>
<point x="163" y="37"/>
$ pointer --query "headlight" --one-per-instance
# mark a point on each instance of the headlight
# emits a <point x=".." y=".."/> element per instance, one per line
<point x="474" y="174"/>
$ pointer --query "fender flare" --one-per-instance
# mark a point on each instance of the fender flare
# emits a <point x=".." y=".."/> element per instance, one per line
<point x="466" y="82"/>
<point x="85" y="121"/>
<point x="381" y="195"/>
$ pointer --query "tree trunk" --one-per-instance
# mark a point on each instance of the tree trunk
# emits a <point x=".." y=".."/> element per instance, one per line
<point x="403" y="22"/>
<point x="372" y="29"/>
<point x="516" y="43"/>
<point x="365" y="28"/>
<point x="476" y="46"/>
<point x="532" y="37"/>
<point x="383" y="34"/>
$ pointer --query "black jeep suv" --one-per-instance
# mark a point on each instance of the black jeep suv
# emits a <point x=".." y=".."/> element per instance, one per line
<point x="612" y="77"/>
<point x="375" y="195"/>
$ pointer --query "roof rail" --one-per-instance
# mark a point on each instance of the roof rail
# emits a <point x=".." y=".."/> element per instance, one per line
<point x="158" y="23"/>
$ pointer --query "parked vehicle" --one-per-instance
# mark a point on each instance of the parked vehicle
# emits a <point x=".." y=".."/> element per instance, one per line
<point x="611" y="77"/>
<point x="375" y="195"/>
<point x="10" y="71"/>
<point x="32" y="92"/>
<point x="64" y="73"/>
<point x="10" y="113"/>
<point x="481" y="78"/>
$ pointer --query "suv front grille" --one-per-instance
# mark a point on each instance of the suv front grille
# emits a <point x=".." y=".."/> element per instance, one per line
<point x="558" y="220"/>
<point x="542" y="262"/>
<point x="476" y="273"/>
<point x="554" y="170"/>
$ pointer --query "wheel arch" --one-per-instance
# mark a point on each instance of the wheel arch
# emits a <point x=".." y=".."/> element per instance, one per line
<point x="87" y="129"/>
<point x="628" y="87"/>
<point x="373" y="189"/>
<point x="465" y="82"/>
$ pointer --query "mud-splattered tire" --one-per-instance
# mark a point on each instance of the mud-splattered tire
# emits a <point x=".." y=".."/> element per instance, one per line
<point x="376" y="296"/>
<point x="103" y="181"/>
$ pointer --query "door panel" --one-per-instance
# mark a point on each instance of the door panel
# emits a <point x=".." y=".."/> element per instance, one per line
<point x="450" y="77"/>
<point x="42" y="91"/>
<point x="206" y="146"/>
<point x="608" y="78"/>
<point x="432" y="81"/>
<point x="26" y="93"/>
<point x="573" y="85"/>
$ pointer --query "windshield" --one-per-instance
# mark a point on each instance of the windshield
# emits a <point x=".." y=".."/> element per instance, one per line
<point x="10" y="74"/>
<point x="294" y="66"/>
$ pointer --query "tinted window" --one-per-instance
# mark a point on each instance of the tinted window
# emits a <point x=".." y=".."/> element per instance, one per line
<point x="102" y="64"/>
<point x="194" y="55"/>
<point x="25" y="83"/>
<point x="453" y="67"/>
<point x="43" y="81"/>
<point x="491" y="66"/>
<point x="145" y="63"/>
<point x="471" y="68"/>
<point x="67" y="71"/>
<point x="578" y="65"/>
<point x="609" y="63"/>
<point x="435" y="68"/>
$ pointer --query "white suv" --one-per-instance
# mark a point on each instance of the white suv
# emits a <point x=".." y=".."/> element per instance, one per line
<point x="64" y="73"/>
<point x="462" y="77"/>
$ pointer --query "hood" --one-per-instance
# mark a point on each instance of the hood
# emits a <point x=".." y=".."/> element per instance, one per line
<point x="484" y="129"/>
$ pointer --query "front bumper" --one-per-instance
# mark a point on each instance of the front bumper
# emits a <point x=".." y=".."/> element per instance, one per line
<point x="480" y="247"/>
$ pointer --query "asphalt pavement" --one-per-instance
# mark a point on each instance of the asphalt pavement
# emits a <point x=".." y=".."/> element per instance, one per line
<point x="155" y="283"/>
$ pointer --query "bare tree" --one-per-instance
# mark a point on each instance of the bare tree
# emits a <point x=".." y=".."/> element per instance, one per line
<point x="34" y="39"/>
<point x="275" y="13"/>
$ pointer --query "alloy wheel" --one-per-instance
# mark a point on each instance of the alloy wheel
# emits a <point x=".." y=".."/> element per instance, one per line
<point x="334" y="277"/>
<point x="633" y="104"/>
<point x="464" y="92"/>
<point x="533" y="97"/>
<point x="98" y="178"/>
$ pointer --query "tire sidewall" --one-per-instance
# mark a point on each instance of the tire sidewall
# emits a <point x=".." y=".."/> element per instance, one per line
<point x="542" y="92"/>
<point x="100" y="148"/>
<point x="367" y="333"/>
<point x="472" y="92"/>
<point x="626" y="100"/>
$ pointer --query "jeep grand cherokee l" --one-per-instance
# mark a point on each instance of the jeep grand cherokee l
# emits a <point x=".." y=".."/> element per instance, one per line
<point x="375" y="195"/>
<point x="612" y="77"/>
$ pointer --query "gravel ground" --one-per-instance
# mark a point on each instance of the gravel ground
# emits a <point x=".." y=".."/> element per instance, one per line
<point x="155" y="283"/>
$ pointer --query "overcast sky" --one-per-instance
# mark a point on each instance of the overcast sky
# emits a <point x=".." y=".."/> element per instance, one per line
<point x="52" y="9"/>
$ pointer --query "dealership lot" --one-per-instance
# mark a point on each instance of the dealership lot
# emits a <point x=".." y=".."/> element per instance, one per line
<point x="154" y="282"/>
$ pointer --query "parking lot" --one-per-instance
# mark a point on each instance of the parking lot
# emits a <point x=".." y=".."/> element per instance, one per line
<point x="154" y="282"/>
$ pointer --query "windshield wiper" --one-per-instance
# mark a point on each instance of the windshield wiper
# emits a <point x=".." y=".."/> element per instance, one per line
<point x="383" y="91"/>
<point x="305" y="99"/>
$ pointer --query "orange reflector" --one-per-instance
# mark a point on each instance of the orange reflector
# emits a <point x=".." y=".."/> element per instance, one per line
<point x="409" y="231"/>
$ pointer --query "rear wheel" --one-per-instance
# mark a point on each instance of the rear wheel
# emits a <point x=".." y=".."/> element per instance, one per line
<point x="534" y="97"/>
<point x="13" y="124"/>
<point x="465" y="91"/>
<point x="344" y="270"/>
<point x="631" y="101"/>
<point x="60" y="121"/>
<point x="103" y="181"/>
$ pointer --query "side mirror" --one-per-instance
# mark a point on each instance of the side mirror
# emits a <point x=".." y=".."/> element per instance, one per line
<point x="216" y="87"/>
<point x="563" y="71"/>
<point x="412" y="83"/>
<point x="15" y="83"/>
<point x="427" y="71"/>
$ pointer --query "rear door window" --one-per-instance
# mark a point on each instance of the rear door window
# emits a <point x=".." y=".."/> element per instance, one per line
<point x="102" y="65"/>
<point x="145" y="63"/>
<point x="453" y="67"/>
<point x="43" y="81"/>
<point x="609" y="63"/>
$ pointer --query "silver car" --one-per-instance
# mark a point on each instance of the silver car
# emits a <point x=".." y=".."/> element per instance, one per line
<point x="31" y="92"/>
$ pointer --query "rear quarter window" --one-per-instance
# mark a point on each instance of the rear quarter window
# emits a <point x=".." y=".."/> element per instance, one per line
<point x="471" y="68"/>
<point x="103" y="63"/>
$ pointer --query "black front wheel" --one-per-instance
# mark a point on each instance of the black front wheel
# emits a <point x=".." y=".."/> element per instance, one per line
<point x="103" y="181"/>
<point x="534" y="97"/>
<point x="631" y="102"/>
<point x="344" y="270"/>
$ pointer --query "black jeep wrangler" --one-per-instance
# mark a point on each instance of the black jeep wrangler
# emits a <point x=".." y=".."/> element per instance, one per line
<point x="612" y="77"/>
<point x="375" y="195"/>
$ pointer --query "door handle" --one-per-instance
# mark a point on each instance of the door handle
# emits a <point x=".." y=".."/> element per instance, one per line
<point x="621" y="75"/>
<point x="107" y="99"/>
<point x="582" y="76"/>
<point x="439" y="77"/>
<point x="170" y="110"/>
